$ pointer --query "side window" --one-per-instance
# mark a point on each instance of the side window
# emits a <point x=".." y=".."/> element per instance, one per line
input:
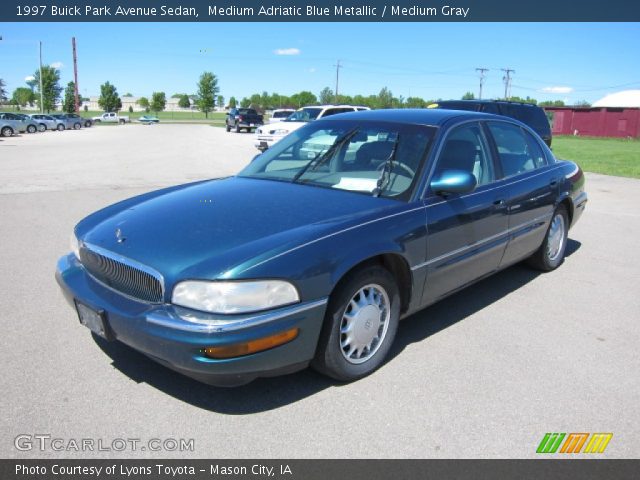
<point x="535" y="150"/>
<point x="465" y="149"/>
<point x="490" y="108"/>
<point x="514" y="149"/>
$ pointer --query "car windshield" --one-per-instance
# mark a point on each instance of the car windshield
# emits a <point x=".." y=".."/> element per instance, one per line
<point x="282" y="114"/>
<point x="304" y="115"/>
<point x="372" y="158"/>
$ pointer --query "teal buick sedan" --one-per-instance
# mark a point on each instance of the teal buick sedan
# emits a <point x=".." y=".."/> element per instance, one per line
<point x="314" y="252"/>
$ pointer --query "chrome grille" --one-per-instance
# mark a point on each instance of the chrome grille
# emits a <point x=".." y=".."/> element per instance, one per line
<point x="136" y="281"/>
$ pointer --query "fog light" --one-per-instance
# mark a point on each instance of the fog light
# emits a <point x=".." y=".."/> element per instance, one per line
<point x="253" y="346"/>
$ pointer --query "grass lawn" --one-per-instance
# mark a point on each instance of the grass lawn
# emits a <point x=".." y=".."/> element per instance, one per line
<point x="610" y="156"/>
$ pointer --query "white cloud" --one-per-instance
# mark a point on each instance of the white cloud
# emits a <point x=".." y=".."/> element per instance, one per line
<point x="557" y="90"/>
<point x="312" y="70"/>
<point x="287" y="51"/>
<point x="57" y="65"/>
<point x="29" y="78"/>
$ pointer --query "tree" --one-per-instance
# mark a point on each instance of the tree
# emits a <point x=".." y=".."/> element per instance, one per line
<point x="109" y="100"/>
<point x="144" y="103"/>
<point x="158" y="102"/>
<point x="551" y="103"/>
<point x="184" y="101"/>
<point x="207" y="91"/>
<point x="51" y="89"/>
<point x="582" y="103"/>
<point x="245" y="102"/>
<point x="326" y="96"/>
<point x="22" y="96"/>
<point x="302" y="99"/>
<point x="3" y="92"/>
<point x="385" y="98"/>
<point x="220" y="101"/>
<point x="233" y="102"/>
<point x="415" y="102"/>
<point x="468" y="96"/>
<point x="69" y="103"/>
<point x="127" y="95"/>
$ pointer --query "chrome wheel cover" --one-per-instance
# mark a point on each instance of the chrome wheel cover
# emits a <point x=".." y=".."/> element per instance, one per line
<point x="364" y="323"/>
<point x="555" y="243"/>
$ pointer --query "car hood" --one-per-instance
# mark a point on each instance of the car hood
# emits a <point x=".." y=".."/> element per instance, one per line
<point x="282" y="125"/>
<point x="206" y="229"/>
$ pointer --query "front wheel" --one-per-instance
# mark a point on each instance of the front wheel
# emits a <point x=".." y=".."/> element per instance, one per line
<point x="77" y="126"/>
<point x="60" y="127"/>
<point x="6" y="131"/>
<point x="42" y="127"/>
<point x="550" y="255"/>
<point x="360" y="325"/>
<point x="32" y="129"/>
<point x="121" y="122"/>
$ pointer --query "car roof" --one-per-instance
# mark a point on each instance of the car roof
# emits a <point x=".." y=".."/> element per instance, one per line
<point x="420" y="116"/>
<point x="485" y="102"/>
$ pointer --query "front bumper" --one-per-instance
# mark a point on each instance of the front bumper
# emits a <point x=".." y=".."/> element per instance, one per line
<point x="175" y="336"/>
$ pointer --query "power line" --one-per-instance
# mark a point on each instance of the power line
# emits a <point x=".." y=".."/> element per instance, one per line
<point x="338" y="67"/>
<point x="482" y="70"/>
<point x="507" y="82"/>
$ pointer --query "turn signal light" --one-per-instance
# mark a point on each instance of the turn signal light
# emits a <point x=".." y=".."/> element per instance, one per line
<point x="253" y="346"/>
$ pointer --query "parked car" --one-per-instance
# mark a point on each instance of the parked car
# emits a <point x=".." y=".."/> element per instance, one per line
<point x="148" y="119"/>
<point x="111" y="117"/>
<point x="46" y="122"/>
<point x="532" y="115"/>
<point x="243" y="118"/>
<point x="280" y="114"/>
<point x="86" y="122"/>
<point x="269" y="134"/>
<point x="66" y="123"/>
<point x="12" y="124"/>
<point x="32" y="127"/>
<point x="404" y="208"/>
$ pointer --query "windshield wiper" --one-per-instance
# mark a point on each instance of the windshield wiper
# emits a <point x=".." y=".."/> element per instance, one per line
<point x="385" y="174"/>
<point x="321" y="159"/>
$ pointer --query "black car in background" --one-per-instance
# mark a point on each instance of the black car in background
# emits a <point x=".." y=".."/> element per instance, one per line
<point x="529" y="114"/>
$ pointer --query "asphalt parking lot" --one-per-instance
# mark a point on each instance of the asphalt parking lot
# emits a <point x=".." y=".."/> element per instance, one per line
<point x="485" y="373"/>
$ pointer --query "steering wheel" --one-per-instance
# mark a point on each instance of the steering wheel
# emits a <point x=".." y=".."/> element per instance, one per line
<point x="402" y="166"/>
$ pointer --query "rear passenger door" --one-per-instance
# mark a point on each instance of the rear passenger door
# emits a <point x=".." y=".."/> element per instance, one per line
<point x="532" y="183"/>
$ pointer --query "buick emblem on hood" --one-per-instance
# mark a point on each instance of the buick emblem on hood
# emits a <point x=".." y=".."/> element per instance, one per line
<point x="119" y="237"/>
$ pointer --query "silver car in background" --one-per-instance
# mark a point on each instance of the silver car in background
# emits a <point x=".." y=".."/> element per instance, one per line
<point x="32" y="127"/>
<point x="46" y="122"/>
<point x="69" y="123"/>
<point x="11" y="124"/>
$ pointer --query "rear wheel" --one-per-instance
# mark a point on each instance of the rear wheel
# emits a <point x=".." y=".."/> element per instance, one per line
<point x="60" y="127"/>
<point x="6" y="131"/>
<point x="32" y="128"/>
<point x="87" y="123"/>
<point x="42" y="127"/>
<point x="360" y="325"/>
<point x="228" y="128"/>
<point x="77" y="126"/>
<point x="121" y="121"/>
<point x="237" y="128"/>
<point x="550" y="255"/>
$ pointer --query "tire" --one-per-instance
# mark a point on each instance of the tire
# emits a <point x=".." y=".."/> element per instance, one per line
<point x="60" y="127"/>
<point x="121" y="122"/>
<point x="366" y="299"/>
<point x="237" y="128"/>
<point x="228" y="127"/>
<point x="551" y="253"/>
<point x="6" y="131"/>
<point x="77" y="126"/>
<point x="42" y="127"/>
<point x="87" y="124"/>
<point x="32" y="129"/>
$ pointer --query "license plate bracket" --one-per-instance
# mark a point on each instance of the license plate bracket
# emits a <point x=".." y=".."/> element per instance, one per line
<point x="94" y="320"/>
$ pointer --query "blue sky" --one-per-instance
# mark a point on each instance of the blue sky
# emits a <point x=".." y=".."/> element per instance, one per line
<point x="572" y="62"/>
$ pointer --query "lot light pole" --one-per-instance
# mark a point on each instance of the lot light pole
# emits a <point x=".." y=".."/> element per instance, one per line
<point x="41" y="93"/>
<point x="507" y="82"/>
<point x="481" y="70"/>
<point x="338" y="67"/>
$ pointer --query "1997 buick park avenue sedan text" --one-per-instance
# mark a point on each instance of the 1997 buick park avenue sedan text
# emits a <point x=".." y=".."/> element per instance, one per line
<point x="315" y="251"/>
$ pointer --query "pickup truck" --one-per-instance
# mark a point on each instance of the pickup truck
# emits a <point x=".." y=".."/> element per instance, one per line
<point x="239" y="118"/>
<point x="110" y="117"/>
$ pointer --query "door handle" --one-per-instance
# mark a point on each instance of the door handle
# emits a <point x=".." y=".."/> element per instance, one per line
<point x="499" y="202"/>
<point x="553" y="182"/>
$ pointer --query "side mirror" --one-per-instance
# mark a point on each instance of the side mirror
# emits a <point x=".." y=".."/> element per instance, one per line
<point x="453" y="181"/>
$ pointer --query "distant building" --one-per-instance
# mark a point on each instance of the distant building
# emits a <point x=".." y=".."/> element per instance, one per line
<point x="616" y="115"/>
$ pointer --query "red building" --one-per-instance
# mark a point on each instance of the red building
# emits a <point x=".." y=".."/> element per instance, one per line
<point x="595" y="121"/>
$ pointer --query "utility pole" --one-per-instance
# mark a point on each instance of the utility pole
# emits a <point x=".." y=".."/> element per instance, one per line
<point x="507" y="82"/>
<point x="481" y="70"/>
<point x="338" y="67"/>
<point x="41" y="93"/>
<point x="75" y="75"/>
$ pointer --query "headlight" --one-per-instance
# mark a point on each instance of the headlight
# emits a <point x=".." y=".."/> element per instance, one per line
<point x="234" y="297"/>
<point x="75" y="245"/>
